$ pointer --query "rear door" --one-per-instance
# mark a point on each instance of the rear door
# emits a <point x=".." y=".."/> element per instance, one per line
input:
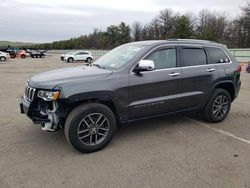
<point x="198" y="75"/>
<point x="158" y="91"/>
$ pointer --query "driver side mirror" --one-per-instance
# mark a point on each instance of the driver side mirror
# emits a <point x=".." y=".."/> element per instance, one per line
<point x="144" y="65"/>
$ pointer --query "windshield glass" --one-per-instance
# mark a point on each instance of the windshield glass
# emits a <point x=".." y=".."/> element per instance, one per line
<point x="119" y="56"/>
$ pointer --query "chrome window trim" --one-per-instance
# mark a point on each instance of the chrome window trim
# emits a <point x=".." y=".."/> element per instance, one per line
<point x="189" y="45"/>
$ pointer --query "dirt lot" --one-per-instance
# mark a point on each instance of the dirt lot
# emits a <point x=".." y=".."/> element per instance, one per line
<point x="181" y="151"/>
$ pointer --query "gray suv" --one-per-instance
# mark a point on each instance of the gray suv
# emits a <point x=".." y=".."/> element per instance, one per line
<point x="134" y="81"/>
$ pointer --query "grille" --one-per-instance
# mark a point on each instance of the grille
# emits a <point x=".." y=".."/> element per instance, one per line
<point x="29" y="93"/>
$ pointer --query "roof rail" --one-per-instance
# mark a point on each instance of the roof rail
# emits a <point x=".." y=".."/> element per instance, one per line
<point x="189" y="40"/>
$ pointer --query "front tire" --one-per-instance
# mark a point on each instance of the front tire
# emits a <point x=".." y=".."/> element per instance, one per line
<point x="70" y="60"/>
<point x="218" y="106"/>
<point x="90" y="127"/>
<point x="2" y="58"/>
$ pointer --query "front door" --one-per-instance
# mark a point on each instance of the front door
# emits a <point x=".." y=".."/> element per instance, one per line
<point x="158" y="91"/>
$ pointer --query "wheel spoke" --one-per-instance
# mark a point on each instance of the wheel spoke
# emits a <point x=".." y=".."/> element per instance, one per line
<point x="101" y="134"/>
<point x="90" y="139"/>
<point x="91" y="120"/>
<point x="84" y="136"/>
<point x="86" y="123"/>
<point x="217" y="113"/>
<point x="99" y="119"/>
<point x="83" y="131"/>
<point x="102" y="122"/>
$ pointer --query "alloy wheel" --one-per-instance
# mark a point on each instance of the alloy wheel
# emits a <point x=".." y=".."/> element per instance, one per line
<point x="93" y="129"/>
<point x="220" y="106"/>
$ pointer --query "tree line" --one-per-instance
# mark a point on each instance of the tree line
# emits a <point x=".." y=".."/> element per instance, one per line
<point x="206" y="25"/>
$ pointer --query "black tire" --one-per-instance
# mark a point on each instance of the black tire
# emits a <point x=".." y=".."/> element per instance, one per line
<point x="88" y="60"/>
<point x="211" y="109"/>
<point x="23" y="56"/>
<point x="2" y="58"/>
<point x="75" y="120"/>
<point x="70" y="60"/>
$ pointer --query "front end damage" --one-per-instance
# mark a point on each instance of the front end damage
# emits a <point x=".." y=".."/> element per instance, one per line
<point x="44" y="112"/>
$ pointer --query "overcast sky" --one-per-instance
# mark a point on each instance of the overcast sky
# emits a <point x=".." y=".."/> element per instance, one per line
<point x="50" y="20"/>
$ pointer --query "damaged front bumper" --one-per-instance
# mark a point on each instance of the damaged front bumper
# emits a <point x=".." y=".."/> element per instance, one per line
<point x="41" y="112"/>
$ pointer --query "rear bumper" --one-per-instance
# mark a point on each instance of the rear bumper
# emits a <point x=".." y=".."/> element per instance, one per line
<point x="237" y="89"/>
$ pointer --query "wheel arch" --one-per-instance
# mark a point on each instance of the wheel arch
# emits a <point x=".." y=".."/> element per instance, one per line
<point x="76" y="100"/>
<point x="227" y="85"/>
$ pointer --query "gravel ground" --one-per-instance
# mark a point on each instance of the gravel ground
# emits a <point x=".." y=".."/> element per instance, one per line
<point x="179" y="151"/>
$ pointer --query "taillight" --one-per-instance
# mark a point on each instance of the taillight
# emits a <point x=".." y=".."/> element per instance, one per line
<point x="239" y="68"/>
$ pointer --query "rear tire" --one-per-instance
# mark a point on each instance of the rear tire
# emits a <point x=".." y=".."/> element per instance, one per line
<point x="88" y="60"/>
<point x="23" y="56"/>
<point x="218" y="106"/>
<point x="90" y="127"/>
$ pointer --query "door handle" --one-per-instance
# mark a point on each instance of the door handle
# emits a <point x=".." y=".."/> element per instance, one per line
<point x="210" y="70"/>
<point x="174" y="74"/>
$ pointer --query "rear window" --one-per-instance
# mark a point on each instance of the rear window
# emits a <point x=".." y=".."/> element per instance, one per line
<point x="216" y="55"/>
<point x="193" y="56"/>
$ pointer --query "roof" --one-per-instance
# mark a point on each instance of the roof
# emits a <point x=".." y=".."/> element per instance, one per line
<point x="179" y="41"/>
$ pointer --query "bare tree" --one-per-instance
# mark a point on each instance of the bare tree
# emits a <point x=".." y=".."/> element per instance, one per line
<point x="136" y="30"/>
<point x="211" y="25"/>
<point x="155" y="27"/>
<point x="167" y="20"/>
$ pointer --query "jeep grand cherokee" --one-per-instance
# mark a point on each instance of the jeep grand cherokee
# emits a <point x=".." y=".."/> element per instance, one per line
<point x="133" y="81"/>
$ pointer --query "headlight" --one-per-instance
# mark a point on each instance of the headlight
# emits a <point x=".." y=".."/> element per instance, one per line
<point x="48" y="95"/>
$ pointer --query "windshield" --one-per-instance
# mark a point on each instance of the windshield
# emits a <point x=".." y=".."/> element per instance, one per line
<point x="119" y="56"/>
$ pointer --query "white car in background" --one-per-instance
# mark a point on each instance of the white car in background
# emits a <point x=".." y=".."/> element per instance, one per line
<point x="78" y="56"/>
<point x="4" y="56"/>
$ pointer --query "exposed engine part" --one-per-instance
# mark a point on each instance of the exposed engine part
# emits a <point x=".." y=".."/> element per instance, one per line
<point x="52" y="125"/>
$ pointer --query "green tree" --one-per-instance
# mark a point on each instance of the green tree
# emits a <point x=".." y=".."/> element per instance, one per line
<point x="183" y="27"/>
<point x="124" y="33"/>
<point x="112" y="35"/>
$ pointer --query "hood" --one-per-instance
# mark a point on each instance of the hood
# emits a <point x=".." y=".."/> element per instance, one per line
<point x="50" y="79"/>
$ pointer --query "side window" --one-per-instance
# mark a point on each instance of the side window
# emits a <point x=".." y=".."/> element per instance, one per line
<point x="216" y="55"/>
<point x="163" y="59"/>
<point x="193" y="56"/>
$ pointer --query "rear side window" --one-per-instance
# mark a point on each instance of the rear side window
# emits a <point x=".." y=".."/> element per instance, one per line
<point x="193" y="56"/>
<point x="216" y="55"/>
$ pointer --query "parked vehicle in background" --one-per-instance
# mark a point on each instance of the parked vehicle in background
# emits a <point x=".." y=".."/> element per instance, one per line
<point x="134" y="81"/>
<point x="248" y="68"/>
<point x="4" y="56"/>
<point x="36" y="53"/>
<point x="63" y="55"/>
<point x="15" y="52"/>
<point x="79" y="56"/>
